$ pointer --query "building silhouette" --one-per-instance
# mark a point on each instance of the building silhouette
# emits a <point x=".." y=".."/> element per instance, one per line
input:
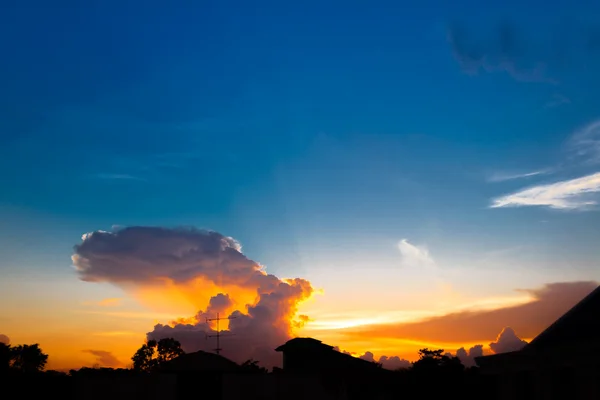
<point x="560" y="363"/>
<point x="341" y="375"/>
<point x="308" y="355"/>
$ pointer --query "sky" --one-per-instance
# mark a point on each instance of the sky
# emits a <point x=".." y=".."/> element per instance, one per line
<point x="383" y="176"/>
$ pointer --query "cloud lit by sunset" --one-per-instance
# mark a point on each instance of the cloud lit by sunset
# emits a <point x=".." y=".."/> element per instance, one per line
<point x="173" y="280"/>
<point x="378" y="177"/>
<point x="170" y="269"/>
<point x="199" y="274"/>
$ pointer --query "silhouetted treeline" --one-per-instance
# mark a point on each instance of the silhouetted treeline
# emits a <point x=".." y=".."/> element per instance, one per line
<point x="433" y="376"/>
<point x="102" y="383"/>
<point x="22" y="358"/>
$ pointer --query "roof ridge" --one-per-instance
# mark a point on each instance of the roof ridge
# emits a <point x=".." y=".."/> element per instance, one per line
<point x="565" y="317"/>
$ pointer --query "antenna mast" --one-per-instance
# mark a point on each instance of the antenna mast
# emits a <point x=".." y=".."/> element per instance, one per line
<point x="218" y="334"/>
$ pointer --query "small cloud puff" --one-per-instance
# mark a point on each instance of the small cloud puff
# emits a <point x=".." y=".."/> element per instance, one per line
<point x="105" y="358"/>
<point x="468" y="358"/>
<point x="386" y="362"/>
<point x="507" y="341"/>
<point x="414" y="256"/>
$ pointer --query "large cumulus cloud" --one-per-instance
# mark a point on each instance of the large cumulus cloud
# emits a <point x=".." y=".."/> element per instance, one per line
<point x="4" y="339"/>
<point x="151" y="256"/>
<point x="144" y="254"/>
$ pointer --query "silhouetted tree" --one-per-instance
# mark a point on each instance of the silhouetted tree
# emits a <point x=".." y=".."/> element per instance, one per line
<point x="153" y="353"/>
<point x="143" y="359"/>
<point x="252" y="366"/>
<point x="83" y="371"/>
<point x="429" y="358"/>
<point x="434" y="359"/>
<point x="53" y="373"/>
<point x="168" y="349"/>
<point x="432" y="374"/>
<point x="28" y="358"/>
<point x="4" y="357"/>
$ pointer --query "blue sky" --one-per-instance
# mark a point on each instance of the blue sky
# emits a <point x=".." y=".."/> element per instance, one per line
<point x="318" y="134"/>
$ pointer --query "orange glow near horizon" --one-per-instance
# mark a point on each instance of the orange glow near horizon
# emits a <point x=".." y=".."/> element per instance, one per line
<point x="120" y="326"/>
<point x="66" y="350"/>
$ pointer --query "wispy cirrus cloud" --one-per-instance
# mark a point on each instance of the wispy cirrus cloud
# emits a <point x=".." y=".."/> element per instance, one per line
<point x="417" y="259"/>
<point x="125" y="148"/>
<point x="578" y="193"/>
<point x="503" y="176"/>
<point x="512" y="47"/>
<point x="504" y="51"/>
<point x="413" y="255"/>
<point x="557" y="100"/>
<point x="119" y="177"/>
<point x="585" y="143"/>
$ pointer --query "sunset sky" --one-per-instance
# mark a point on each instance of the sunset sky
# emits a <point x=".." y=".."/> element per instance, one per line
<point x="430" y="173"/>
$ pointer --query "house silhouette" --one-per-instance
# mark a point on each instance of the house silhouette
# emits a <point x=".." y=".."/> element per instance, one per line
<point x="200" y="361"/>
<point x="561" y="362"/>
<point x="347" y="376"/>
<point x="308" y="355"/>
<point x="199" y="372"/>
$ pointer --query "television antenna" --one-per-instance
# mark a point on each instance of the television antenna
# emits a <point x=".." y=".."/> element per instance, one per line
<point x="218" y="334"/>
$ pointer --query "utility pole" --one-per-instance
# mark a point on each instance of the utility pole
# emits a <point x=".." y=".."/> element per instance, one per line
<point x="218" y="334"/>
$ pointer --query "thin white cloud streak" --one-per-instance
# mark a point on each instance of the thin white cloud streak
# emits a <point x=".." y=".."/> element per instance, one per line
<point x="586" y="143"/>
<point x="124" y="177"/>
<point x="567" y="195"/>
<point x="501" y="177"/>
<point x="325" y="321"/>
<point x="557" y="100"/>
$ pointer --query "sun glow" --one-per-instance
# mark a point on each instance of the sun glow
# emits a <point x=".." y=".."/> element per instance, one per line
<point x="190" y="297"/>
